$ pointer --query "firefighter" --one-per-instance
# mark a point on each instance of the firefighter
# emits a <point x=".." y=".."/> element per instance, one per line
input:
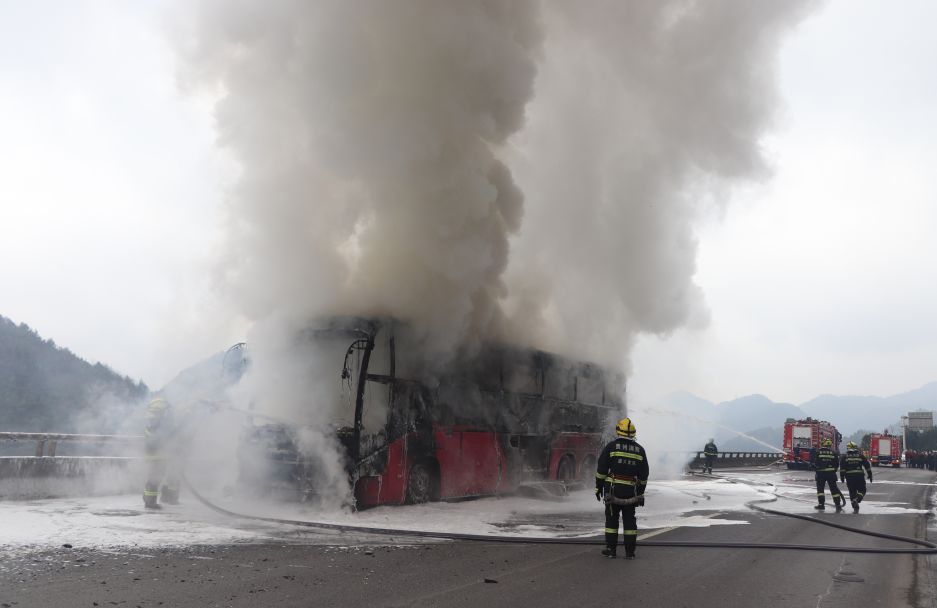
<point x="162" y="474"/>
<point x="826" y="464"/>
<point x="851" y="473"/>
<point x="620" y="479"/>
<point x="710" y="451"/>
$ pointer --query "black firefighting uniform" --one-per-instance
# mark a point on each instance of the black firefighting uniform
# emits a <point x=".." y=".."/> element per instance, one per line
<point x="162" y="470"/>
<point x="622" y="472"/>
<point x="851" y="471"/>
<point x="710" y="451"/>
<point x="826" y="463"/>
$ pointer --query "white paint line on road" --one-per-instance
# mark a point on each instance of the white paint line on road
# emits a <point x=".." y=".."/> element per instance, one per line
<point x="663" y="530"/>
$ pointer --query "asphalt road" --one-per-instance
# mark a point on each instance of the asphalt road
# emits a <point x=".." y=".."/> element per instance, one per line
<point x="481" y="574"/>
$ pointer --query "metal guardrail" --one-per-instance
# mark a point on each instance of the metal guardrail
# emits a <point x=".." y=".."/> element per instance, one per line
<point x="736" y="455"/>
<point x="729" y="459"/>
<point x="47" y="443"/>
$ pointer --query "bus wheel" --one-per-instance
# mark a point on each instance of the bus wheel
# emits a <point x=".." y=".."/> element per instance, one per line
<point x="420" y="484"/>
<point x="566" y="471"/>
<point x="588" y="467"/>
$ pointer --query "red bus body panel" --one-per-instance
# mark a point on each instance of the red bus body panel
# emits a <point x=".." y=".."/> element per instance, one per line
<point x="472" y="463"/>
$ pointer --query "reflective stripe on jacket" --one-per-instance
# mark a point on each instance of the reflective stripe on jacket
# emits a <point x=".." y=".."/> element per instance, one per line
<point x="826" y="461"/>
<point x="622" y="461"/>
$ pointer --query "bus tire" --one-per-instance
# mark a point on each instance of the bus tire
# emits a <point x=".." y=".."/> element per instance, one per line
<point x="566" y="469"/>
<point x="421" y="484"/>
<point x="589" y="465"/>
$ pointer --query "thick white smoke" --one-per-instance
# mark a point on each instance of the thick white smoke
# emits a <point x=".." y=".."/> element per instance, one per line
<point x="644" y="114"/>
<point x="366" y="135"/>
<point x="391" y="150"/>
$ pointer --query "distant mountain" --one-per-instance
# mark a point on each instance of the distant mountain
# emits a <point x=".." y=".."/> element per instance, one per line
<point x="755" y="412"/>
<point x="682" y="401"/>
<point x="760" y="417"/>
<point x="728" y="422"/>
<point x="45" y="388"/>
<point x="851" y="413"/>
<point x="755" y="441"/>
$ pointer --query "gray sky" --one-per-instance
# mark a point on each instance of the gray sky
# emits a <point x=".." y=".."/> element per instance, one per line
<point x="819" y="280"/>
<point x="822" y="280"/>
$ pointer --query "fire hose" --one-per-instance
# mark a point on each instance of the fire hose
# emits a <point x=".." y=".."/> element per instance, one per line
<point x="927" y="548"/>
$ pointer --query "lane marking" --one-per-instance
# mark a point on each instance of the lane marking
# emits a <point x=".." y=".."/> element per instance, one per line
<point x="670" y="529"/>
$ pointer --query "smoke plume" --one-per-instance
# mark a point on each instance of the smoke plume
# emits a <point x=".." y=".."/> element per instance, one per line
<point x="645" y="113"/>
<point x="520" y="170"/>
<point x="366" y="133"/>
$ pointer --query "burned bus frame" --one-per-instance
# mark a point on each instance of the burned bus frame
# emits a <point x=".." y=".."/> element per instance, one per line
<point x="505" y="418"/>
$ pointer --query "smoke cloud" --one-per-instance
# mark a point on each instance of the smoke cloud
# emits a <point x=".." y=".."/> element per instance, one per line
<point x="367" y="136"/>
<point x="645" y="114"/>
<point x="522" y="170"/>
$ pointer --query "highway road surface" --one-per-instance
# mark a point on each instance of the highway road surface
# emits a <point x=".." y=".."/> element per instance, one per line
<point x="471" y="574"/>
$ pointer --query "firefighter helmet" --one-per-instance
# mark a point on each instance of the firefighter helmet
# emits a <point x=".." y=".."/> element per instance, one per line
<point x="852" y="446"/>
<point x="827" y="443"/>
<point x="158" y="405"/>
<point x="625" y="428"/>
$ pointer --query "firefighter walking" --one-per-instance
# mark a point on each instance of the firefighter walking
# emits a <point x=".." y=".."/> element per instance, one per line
<point x="826" y="463"/>
<point x="851" y="472"/>
<point x="620" y="480"/>
<point x="710" y="451"/>
<point x="162" y="474"/>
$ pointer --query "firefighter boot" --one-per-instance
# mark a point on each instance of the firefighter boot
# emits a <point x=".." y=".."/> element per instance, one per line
<point x="169" y="495"/>
<point x="150" y="494"/>
<point x="855" y="507"/>
<point x="610" y="551"/>
<point x="839" y="503"/>
<point x="820" y="506"/>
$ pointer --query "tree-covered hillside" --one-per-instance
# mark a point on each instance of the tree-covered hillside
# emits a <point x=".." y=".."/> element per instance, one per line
<point x="45" y="388"/>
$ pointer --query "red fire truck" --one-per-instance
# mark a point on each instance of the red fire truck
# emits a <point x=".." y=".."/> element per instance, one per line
<point x="885" y="450"/>
<point x="409" y="432"/>
<point x="802" y="438"/>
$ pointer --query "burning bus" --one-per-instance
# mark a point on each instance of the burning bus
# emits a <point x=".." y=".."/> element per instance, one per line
<point x="488" y="425"/>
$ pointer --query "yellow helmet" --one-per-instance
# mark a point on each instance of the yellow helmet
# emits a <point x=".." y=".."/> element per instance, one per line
<point x="158" y="404"/>
<point x="625" y="428"/>
<point x="827" y="443"/>
<point x="852" y="445"/>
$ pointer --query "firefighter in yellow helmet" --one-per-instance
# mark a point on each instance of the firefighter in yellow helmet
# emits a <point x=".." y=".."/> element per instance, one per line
<point x="162" y="474"/>
<point x="620" y="480"/>
<point x="851" y="473"/>
<point x="826" y="463"/>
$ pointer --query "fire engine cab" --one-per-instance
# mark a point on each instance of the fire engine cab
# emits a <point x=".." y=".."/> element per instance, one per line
<point x="885" y="450"/>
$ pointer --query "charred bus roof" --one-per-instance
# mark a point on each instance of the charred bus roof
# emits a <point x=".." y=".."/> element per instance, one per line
<point x="496" y="367"/>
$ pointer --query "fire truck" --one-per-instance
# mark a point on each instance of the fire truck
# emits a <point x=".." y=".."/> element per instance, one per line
<point x="885" y="450"/>
<point x="802" y="439"/>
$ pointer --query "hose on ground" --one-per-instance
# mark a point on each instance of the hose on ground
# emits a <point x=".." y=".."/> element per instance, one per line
<point x="928" y="547"/>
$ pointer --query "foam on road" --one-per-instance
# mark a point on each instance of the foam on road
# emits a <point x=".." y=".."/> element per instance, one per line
<point x="121" y="522"/>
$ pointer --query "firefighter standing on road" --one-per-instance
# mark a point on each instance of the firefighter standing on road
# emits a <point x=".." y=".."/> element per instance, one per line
<point x="850" y="472"/>
<point x="826" y="463"/>
<point x="162" y="475"/>
<point x="621" y="477"/>
<point x="710" y="451"/>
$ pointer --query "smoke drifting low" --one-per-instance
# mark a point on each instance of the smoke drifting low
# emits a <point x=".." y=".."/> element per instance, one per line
<point x="519" y="170"/>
